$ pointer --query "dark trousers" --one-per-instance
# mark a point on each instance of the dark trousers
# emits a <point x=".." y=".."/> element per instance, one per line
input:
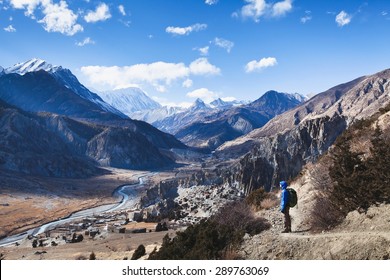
<point x="287" y="219"/>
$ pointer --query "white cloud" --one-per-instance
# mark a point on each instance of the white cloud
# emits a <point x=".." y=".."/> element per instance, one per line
<point x="58" y="18"/>
<point x="126" y="23"/>
<point x="223" y="43"/>
<point x="281" y="8"/>
<point x="186" y="30"/>
<point x="204" y="94"/>
<point x="102" y="13"/>
<point x="384" y="13"/>
<point x="203" y="51"/>
<point x="121" y="9"/>
<point x="211" y="2"/>
<point x="343" y="18"/>
<point x="202" y="66"/>
<point x="187" y="83"/>
<point x="261" y="64"/>
<point x="86" y="41"/>
<point x="10" y="28"/>
<point x="255" y="9"/>
<point x="307" y="17"/>
<point x="158" y="74"/>
<point x="29" y="5"/>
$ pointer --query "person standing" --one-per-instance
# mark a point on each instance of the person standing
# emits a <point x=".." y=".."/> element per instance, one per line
<point x="284" y="207"/>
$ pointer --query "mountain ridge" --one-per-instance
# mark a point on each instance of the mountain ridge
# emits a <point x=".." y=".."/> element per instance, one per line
<point x="223" y="125"/>
<point x="301" y="135"/>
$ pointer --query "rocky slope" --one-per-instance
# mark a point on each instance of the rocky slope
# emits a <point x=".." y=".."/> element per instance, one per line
<point x="280" y="149"/>
<point x="64" y="110"/>
<point x="317" y="230"/>
<point x="28" y="146"/>
<point x="41" y="92"/>
<point x="52" y="145"/>
<point x="64" y="78"/>
<point x="228" y="123"/>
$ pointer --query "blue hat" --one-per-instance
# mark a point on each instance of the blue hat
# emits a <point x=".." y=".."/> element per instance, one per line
<point x="283" y="184"/>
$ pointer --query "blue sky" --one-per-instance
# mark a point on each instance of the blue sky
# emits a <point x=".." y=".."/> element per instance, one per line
<point x="178" y="50"/>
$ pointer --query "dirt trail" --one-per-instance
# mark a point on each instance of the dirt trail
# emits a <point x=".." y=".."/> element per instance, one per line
<point x="361" y="235"/>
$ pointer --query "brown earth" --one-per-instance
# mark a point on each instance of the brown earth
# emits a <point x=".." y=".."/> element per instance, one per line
<point x="105" y="246"/>
<point x="361" y="236"/>
<point x="27" y="201"/>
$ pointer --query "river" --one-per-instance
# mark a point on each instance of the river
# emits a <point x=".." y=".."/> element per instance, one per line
<point x="128" y="201"/>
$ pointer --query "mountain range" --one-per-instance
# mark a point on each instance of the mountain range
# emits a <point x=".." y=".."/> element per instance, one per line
<point x="216" y="127"/>
<point x="203" y="125"/>
<point x="71" y="119"/>
<point x="52" y="125"/>
<point x="280" y="149"/>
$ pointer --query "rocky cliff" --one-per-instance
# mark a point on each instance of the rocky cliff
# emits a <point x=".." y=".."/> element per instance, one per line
<point x="281" y="148"/>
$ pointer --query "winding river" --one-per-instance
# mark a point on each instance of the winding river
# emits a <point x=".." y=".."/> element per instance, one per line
<point x="128" y="201"/>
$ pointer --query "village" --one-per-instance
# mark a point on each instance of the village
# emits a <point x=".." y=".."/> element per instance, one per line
<point x="155" y="216"/>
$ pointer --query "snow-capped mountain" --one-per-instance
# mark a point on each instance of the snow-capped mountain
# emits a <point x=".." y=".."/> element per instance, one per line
<point x="129" y="100"/>
<point x="220" y="103"/>
<point x="51" y="108"/>
<point x="32" y="65"/>
<point x="229" y="122"/>
<point x="155" y="115"/>
<point x="199" y="105"/>
<point x="63" y="76"/>
<point x="197" y="112"/>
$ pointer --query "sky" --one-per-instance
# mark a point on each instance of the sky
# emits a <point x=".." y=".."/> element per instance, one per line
<point x="180" y="50"/>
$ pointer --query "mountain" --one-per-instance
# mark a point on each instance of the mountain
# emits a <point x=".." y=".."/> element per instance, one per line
<point x="40" y="91"/>
<point x="215" y="129"/>
<point x="1" y="71"/>
<point x="279" y="150"/>
<point x="196" y="113"/>
<point x="32" y="65"/>
<point x="129" y="100"/>
<point x="48" y="144"/>
<point x="28" y="146"/>
<point x="220" y="103"/>
<point x="65" y="79"/>
<point x="81" y="119"/>
<point x="154" y="115"/>
<point x="274" y="103"/>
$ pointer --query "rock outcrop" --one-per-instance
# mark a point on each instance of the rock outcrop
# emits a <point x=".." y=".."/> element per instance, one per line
<point x="281" y="148"/>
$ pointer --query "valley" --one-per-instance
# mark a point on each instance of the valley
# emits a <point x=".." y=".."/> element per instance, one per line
<point x="81" y="176"/>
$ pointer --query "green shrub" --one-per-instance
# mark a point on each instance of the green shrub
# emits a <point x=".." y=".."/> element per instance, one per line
<point x="360" y="183"/>
<point x="210" y="239"/>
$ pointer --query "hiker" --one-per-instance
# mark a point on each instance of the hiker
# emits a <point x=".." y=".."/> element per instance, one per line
<point x="285" y="207"/>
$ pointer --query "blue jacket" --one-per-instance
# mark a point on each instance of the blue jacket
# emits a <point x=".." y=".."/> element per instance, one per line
<point x="284" y="198"/>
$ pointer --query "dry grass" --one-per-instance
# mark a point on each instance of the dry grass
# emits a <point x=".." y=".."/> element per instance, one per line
<point x="29" y="201"/>
<point x="268" y="203"/>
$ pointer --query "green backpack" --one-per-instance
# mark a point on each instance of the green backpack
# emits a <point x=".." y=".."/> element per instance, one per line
<point x="292" y="197"/>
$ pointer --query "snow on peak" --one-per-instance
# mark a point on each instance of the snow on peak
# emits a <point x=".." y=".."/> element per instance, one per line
<point x="32" y="65"/>
<point x="129" y="100"/>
